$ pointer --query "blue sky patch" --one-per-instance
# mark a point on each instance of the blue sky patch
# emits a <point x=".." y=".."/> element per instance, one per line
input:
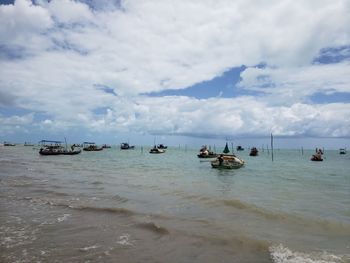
<point x="333" y="55"/>
<point x="322" y="98"/>
<point x="223" y="86"/>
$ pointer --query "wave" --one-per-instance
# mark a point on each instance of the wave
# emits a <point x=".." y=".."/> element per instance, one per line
<point x="114" y="210"/>
<point x="281" y="254"/>
<point x="151" y="226"/>
<point x="62" y="203"/>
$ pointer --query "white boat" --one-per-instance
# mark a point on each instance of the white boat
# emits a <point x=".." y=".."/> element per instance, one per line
<point x="155" y="149"/>
<point x="227" y="162"/>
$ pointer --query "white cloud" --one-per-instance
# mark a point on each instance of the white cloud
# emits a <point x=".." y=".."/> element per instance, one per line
<point x="150" y="46"/>
<point x="15" y="122"/>
<point x="22" y="23"/>
<point x="289" y="85"/>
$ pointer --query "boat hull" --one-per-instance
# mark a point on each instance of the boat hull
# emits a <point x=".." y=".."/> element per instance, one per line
<point x="227" y="162"/>
<point x="43" y="152"/>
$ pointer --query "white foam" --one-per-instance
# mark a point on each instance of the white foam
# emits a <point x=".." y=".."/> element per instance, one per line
<point x="124" y="240"/>
<point x="63" y="218"/>
<point x="281" y="254"/>
<point x="88" y="248"/>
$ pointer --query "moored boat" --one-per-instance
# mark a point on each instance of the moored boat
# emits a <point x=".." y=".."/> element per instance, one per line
<point x="204" y="152"/>
<point x="317" y="157"/>
<point x="56" y="148"/>
<point x="162" y="146"/>
<point x="156" y="150"/>
<point x="126" y="146"/>
<point x="239" y="148"/>
<point x="9" y="144"/>
<point x="91" y="147"/>
<point x="227" y="161"/>
<point x="254" y="151"/>
<point x="342" y="151"/>
<point x="106" y="146"/>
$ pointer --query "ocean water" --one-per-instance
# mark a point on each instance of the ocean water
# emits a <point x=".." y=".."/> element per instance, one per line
<point x="132" y="206"/>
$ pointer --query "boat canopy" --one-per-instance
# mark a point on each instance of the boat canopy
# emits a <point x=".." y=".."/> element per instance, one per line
<point x="48" y="141"/>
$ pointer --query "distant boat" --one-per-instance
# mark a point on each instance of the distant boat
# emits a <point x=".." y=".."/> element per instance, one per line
<point x="156" y="150"/>
<point x="106" y="146"/>
<point x="254" y="151"/>
<point x="161" y="146"/>
<point x="239" y="148"/>
<point x="126" y="146"/>
<point x="342" y="151"/>
<point x="204" y="152"/>
<point x="28" y="144"/>
<point x="91" y="147"/>
<point x="9" y="144"/>
<point x="227" y="162"/>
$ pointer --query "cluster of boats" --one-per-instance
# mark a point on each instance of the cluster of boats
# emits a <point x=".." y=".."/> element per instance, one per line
<point x="56" y="148"/>
<point x="224" y="160"/>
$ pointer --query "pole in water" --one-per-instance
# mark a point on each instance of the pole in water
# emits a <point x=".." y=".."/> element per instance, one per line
<point x="302" y="151"/>
<point x="271" y="147"/>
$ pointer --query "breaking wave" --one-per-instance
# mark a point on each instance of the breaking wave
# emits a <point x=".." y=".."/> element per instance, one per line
<point x="281" y="254"/>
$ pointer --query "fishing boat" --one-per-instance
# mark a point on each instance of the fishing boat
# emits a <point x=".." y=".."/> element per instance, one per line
<point x="126" y="146"/>
<point x="239" y="148"/>
<point x="106" y="146"/>
<point x="162" y="146"/>
<point x="91" y="147"/>
<point x="227" y="161"/>
<point x="342" y="151"/>
<point x="9" y="144"/>
<point x="156" y="150"/>
<point x="56" y="148"/>
<point x="204" y="152"/>
<point x="254" y="151"/>
<point x="317" y="157"/>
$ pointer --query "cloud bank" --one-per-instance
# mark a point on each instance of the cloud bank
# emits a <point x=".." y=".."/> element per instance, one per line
<point x="55" y="56"/>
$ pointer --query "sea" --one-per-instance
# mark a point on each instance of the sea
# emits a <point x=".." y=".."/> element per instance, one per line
<point x="131" y="206"/>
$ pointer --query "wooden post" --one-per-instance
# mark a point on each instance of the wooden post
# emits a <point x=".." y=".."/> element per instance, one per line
<point x="271" y="147"/>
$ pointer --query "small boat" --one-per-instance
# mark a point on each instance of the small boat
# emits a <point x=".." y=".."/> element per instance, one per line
<point x="239" y="148"/>
<point x="162" y="146"/>
<point x="126" y="146"/>
<point x="204" y="152"/>
<point x="227" y="161"/>
<point x="317" y="157"/>
<point x="9" y="144"/>
<point x="56" y="148"/>
<point x="254" y="151"/>
<point x="156" y="150"/>
<point x="91" y="147"/>
<point x="106" y="146"/>
<point x="342" y="151"/>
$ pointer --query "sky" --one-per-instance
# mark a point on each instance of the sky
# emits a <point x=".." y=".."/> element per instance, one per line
<point x="178" y="72"/>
